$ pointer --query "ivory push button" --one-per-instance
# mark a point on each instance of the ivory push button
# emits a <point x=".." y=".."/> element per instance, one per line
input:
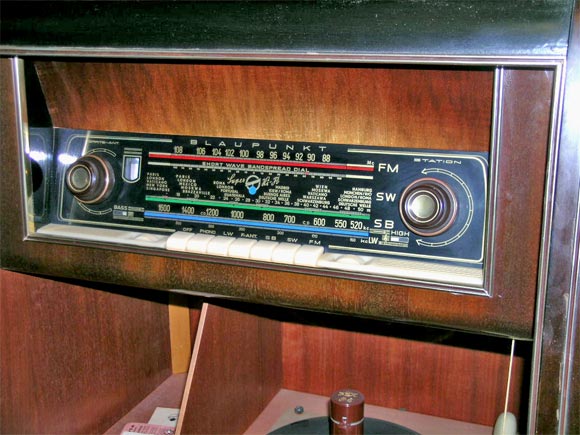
<point x="240" y="248"/>
<point x="131" y="168"/>
<point x="178" y="241"/>
<point x="262" y="250"/>
<point x="219" y="245"/>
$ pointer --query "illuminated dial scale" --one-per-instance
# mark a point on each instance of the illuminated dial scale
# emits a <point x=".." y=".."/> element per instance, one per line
<point x="365" y="200"/>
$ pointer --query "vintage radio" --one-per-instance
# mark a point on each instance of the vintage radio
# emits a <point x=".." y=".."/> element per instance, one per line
<point x="370" y="212"/>
<point x="382" y="179"/>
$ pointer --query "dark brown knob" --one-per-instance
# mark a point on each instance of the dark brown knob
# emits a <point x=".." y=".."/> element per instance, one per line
<point x="347" y="412"/>
<point x="90" y="179"/>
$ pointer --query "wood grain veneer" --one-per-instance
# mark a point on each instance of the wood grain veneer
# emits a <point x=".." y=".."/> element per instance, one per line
<point x="235" y="371"/>
<point x="556" y="380"/>
<point x="180" y="332"/>
<point x="167" y="395"/>
<point x="394" y="107"/>
<point x="244" y="353"/>
<point x="75" y="359"/>
<point x="419" y="374"/>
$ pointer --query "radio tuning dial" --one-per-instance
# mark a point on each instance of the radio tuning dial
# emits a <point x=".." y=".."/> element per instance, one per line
<point x="428" y="207"/>
<point x="90" y="179"/>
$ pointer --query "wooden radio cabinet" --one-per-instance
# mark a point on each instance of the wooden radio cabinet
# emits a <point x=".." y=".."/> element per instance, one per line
<point x="96" y="333"/>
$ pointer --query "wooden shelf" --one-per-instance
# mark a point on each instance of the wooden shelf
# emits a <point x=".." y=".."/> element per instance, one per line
<point x="238" y="379"/>
<point x="167" y="395"/>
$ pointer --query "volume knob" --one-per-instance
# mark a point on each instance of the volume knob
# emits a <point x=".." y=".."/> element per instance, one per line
<point x="90" y="179"/>
<point x="428" y="207"/>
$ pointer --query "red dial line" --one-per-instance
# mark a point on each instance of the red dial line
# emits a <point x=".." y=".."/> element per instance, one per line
<point x="342" y="167"/>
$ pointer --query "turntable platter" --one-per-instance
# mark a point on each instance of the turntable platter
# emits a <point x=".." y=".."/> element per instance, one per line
<point x="320" y="425"/>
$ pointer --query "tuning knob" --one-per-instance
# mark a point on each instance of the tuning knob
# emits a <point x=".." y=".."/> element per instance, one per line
<point x="428" y="207"/>
<point x="90" y="179"/>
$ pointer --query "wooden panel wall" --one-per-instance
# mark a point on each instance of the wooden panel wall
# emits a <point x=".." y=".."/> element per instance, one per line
<point x="74" y="359"/>
<point x="420" y="374"/>
<point x="251" y="351"/>
<point x="405" y="107"/>
<point x="236" y="370"/>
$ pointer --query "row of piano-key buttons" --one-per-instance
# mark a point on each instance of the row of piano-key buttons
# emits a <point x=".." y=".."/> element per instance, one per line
<point x="262" y="250"/>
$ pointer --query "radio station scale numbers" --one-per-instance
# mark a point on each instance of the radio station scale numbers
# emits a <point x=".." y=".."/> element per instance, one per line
<point x="366" y="200"/>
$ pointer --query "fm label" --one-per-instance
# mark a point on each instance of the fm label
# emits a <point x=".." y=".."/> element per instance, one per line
<point x="387" y="167"/>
